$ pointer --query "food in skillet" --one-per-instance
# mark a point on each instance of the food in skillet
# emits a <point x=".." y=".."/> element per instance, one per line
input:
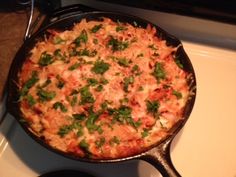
<point x="103" y="89"/>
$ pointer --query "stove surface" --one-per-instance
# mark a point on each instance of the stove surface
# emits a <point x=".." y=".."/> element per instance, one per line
<point x="205" y="146"/>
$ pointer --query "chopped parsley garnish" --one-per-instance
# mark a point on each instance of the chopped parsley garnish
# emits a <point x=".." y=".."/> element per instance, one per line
<point x="60" y="106"/>
<point x="45" y="95"/>
<point x="136" y="70"/>
<point x="104" y="81"/>
<point x="95" y="41"/>
<point x="60" y="84"/>
<point x="99" y="143"/>
<point x="86" y="95"/>
<point x="96" y="28"/>
<point x="74" y="66"/>
<point x="100" y="67"/>
<point x="104" y="105"/>
<point x="64" y="130"/>
<point x="86" y="52"/>
<point x="30" y="100"/>
<point x="90" y="122"/>
<point x="121" y="28"/>
<point x="80" y="117"/>
<point x="127" y="82"/>
<point x="177" y="94"/>
<point x="99" y="88"/>
<point x="83" y="38"/>
<point x="123" y="115"/>
<point x="140" y="88"/>
<point x="84" y="145"/>
<point x="152" y="46"/>
<point x="156" y="54"/>
<point x="178" y="63"/>
<point x="159" y="72"/>
<point x="114" y="140"/>
<point x="58" y="40"/>
<point x="92" y="81"/>
<point x="57" y="53"/>
<point x="45" y="59"/>
<point x="145" y="133"/>
<point x="140" y="55"/>
<point x="46" y="83"/>
<point x="124" y="101"/>
<point x="123" y="62"/>
<point x="117" y="45"/>
<point x="72" y="52"/>
<point x="29" y="83"/>
<point x="152" y="106"/>
<point x="74" y="92"/>
<point x="74" y="100"/>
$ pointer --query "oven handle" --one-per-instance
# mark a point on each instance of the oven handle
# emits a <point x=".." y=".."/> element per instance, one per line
<point x="53" y="16"/>
<point x="67" y="11"/>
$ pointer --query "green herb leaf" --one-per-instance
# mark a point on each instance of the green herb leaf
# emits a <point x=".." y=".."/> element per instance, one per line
<point x="86" y="95"/>
<point x="136" y="70"/>
<point x="83" y="37"/>
<point x="127" y="81"/>
<point x="57" y="53"/>
<point x="45" y="95"/>
<point x="30" y="100"/>
<point x="100" y="67"/>
<point x="104" y="81"/>
<point x="84" y="145"/>
<point x="58" y="40"/>
<point x="46" y="83"/>
<point x="45" y="59"/>
<point x="74" y="66"/>
<point x="90" y="122"/>
<point x="29" y="83"/>
<point x="117" y="45"/>
<point x="159" y="72"/>
<point x="96" y="28"/>
<point x="99" y="88"/>
<point x="74" y="100"/>
<point x="60" y="106"/>
<point x="178" y="63"/>
<point x="80" y="117"/>
<point x="152" y="106"/>
<point x="140" y="55"/>
<point x="86" y="52"/>
<point x="99" y="143"/>
<point x="65" y="130"/>
<point x="95" y="41"/>
<point x="114" y="140"/>
<point x="145" y="133"/>
<point x="92" y="81"/>
<point x="121" y="28"/>
<point x="60" y="84"/>
<point x="152" y="46"/>
<point x="123" y="62"/>
<point x="177" y="94"/>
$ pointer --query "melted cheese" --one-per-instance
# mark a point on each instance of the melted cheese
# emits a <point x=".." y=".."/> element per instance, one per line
<point x="104" y="89"/>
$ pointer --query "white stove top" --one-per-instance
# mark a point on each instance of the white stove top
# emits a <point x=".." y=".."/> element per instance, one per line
<point x="205" y="147"/>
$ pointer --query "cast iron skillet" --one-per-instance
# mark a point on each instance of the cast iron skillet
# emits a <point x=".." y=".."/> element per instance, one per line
<point x="159" y="154"/>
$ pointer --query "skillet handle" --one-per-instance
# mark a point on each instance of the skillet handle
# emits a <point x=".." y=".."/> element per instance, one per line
<point x="160" y="158"/>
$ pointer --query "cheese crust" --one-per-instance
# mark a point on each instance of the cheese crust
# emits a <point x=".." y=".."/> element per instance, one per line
<point x="103" y="89"/>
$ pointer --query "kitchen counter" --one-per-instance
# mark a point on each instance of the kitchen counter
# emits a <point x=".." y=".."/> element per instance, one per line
<point x="12" y="30"/>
